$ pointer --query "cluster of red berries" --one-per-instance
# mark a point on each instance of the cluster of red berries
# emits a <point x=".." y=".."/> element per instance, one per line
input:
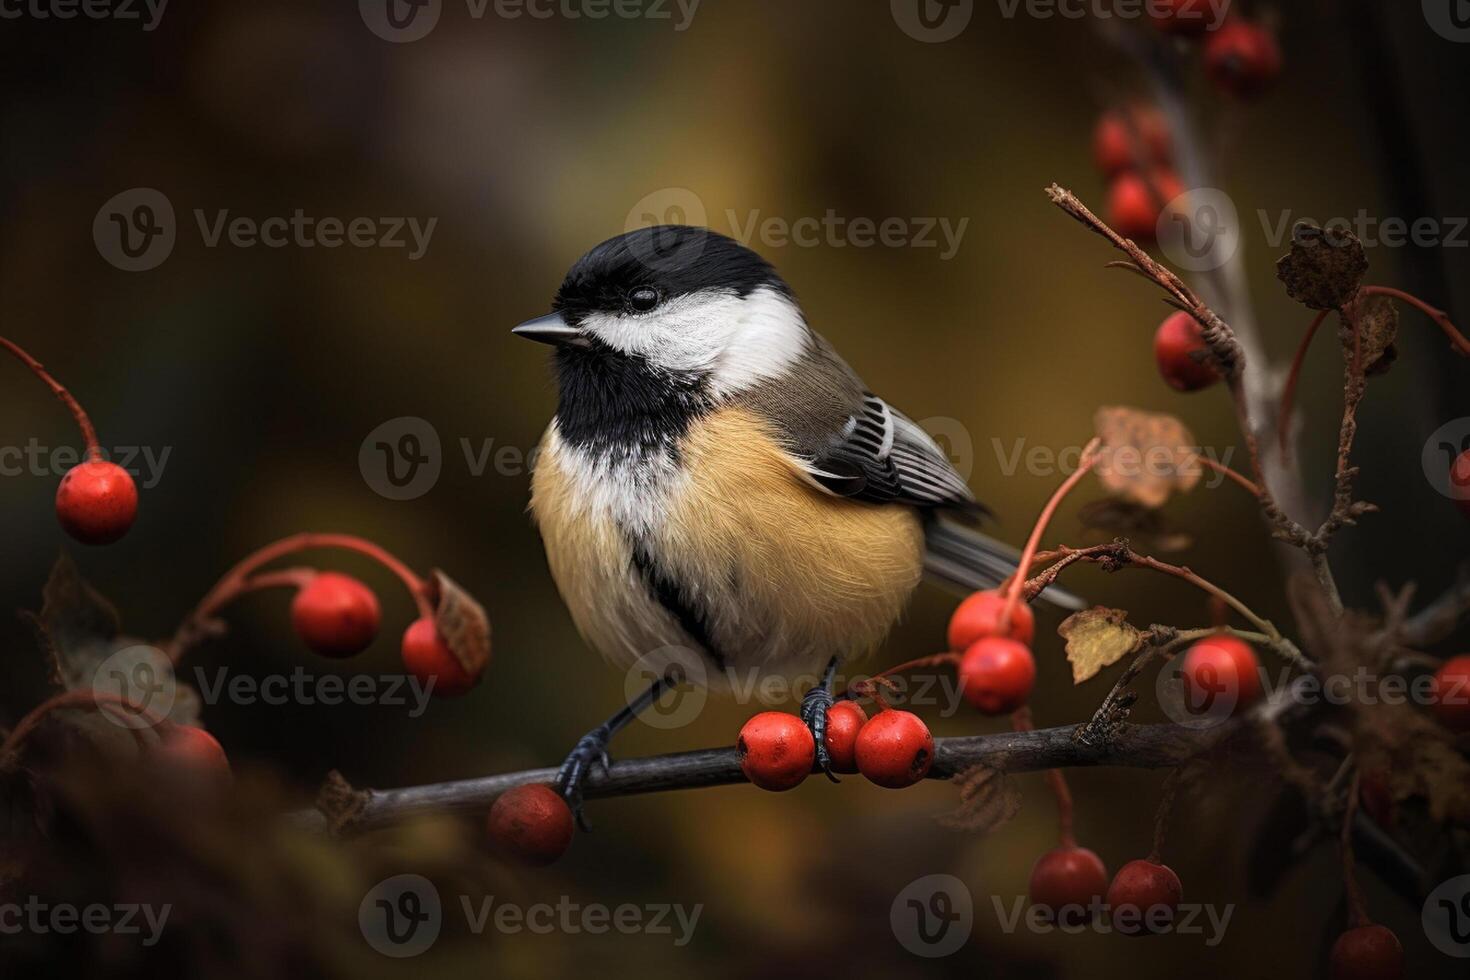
<point x="1069" y="883"/>
<point x="1241" y="57"/>
<point x="338" y="616"/>
<point x="1134" y="151"/>
<point x="893" y="749"/>
<point x="997" y="670"/>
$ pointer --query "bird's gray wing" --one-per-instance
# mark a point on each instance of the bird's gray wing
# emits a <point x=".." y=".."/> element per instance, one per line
<point x="850" y="443"/>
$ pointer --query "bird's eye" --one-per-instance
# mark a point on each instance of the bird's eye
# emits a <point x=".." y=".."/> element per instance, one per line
<point x="643" y="299"/>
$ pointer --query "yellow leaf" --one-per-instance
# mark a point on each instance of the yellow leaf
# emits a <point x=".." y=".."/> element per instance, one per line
<point x="1096" y="638"/>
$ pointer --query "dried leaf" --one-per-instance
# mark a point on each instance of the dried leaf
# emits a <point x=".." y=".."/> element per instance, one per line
<point x="988" y="801"/>
<point x="1096" y="638"/>
<point x="1378" y="327"/>
<point x="1145" y="456"/>
<point x="1420" y="758"/>
<point x="1324" y="269"/>
<point x="462" y="623"/>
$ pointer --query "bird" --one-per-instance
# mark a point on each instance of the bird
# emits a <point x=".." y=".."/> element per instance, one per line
<point x="719" y="495"/>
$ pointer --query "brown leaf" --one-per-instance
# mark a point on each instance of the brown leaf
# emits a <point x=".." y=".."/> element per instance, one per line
<point x="1145" y="456"/>
<point x="1421" y="760"/>
<point x="1116" y="518"/>
<point x="988" y="801"/>
<point x="462" y="623"/>
<point x="1096" y="638"/>
<point x="1378" y="327"/>
<point x="1324" y="269"/>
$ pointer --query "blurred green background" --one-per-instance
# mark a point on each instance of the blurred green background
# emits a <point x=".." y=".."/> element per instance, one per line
<point x="262" y="370"/>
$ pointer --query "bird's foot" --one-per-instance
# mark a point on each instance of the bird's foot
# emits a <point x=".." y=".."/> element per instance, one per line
<point x="590" y="750"/>
<point x="814" y="707"/>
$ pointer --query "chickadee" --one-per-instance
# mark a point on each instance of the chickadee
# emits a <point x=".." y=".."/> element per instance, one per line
<point x="719" y="493"/>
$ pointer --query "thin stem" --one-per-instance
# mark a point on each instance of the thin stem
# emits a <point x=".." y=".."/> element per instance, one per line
<point x="1244" y="482"/>
<point x="1357" y="907"/>
<point x="1288" y="390"/>
<point x="89" y="434"/>
<point x="1165" y="814"/>
<point x="1457" y="339"/>
<point x="1013" y="592"/>
<point x="1021" y="722"/>
<point x="244" y="577"/>
<point x="868" y="687"/>
<point x="81" y="699"/>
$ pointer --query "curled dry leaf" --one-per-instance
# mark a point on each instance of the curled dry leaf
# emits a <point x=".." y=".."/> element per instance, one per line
<point x="1324" y="268"/>
<point x="462" y="623"/>
<point x="1096" y="638"/>
<point x="1377" y="321"/>
<point x="1420" y="757"/>
<point x="988" y="801"/>
<point x="1145" y="456"/>
<point x="1115" y="518"/>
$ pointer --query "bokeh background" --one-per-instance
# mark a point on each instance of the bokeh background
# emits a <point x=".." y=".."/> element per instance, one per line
<point x="262" y="370"/>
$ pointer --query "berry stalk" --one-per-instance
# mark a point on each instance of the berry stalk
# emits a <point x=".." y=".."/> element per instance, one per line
<point x="89" y="434"/>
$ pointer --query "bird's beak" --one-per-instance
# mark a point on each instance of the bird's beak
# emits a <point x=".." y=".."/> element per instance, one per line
<point x="549" y="329"/>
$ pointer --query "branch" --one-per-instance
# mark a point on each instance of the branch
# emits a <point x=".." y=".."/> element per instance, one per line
<point x="1143" y="747"/>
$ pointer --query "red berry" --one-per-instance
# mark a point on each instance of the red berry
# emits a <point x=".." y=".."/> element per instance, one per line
<point x="1221" y="676"/>
<point x="1367" y="953"/>
<point x="336" y="615"/>
<point x="1177" y="341"/>
<point x="1144" y="897"/>
<point x="1460" y="481"/>
<point x="97" y="502"/>
<point x="428" y="658"/>
<point x="844" y="721"/>
<point x="1242" y="58"/>
<point x="895" y="749"/>
<point x="777" y="750"/>
<point x="1135" y="203"/>
<point x="1184" y="16"/>
<point x="1450" y="694"/>
<point x="1068" y="883"/>
<point x="531" y="823"/>
<point x="191" y="750"/>
<point x="979" y="616"/>
<point x="996" y="675"/>
<point x="1121" y="135"/>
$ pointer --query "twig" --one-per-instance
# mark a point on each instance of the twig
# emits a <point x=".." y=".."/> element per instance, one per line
<point x="89" y="434"/>
<point x="1013" y="591"/>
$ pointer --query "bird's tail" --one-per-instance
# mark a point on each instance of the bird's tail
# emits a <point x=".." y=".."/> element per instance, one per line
<point x="965" y="558"/>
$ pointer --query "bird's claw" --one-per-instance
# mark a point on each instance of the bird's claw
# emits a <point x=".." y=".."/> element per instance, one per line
<point x="591" y="749"/>
<point x="814" y="707"/>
